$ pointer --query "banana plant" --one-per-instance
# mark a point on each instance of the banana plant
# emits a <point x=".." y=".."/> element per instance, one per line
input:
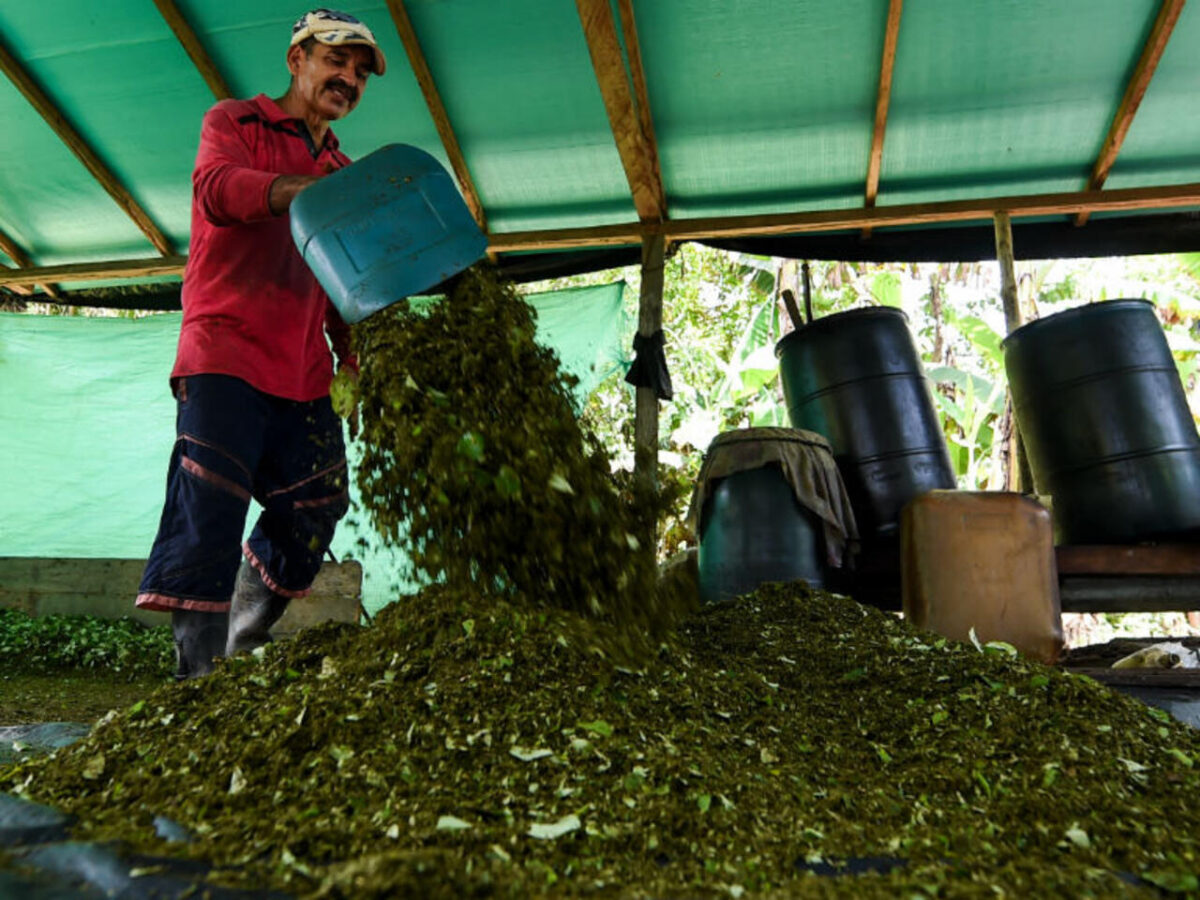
<point x="968" y="417"/>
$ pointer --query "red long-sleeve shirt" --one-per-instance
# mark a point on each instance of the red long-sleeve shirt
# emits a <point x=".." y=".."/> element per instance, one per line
<point x="251" y="306"/>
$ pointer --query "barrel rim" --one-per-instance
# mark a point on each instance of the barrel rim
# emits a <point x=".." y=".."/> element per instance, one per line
<point x="1075" y="312"/>
<point x="821" y="324"/>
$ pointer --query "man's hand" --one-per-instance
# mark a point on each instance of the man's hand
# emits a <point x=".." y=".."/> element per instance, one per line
<point x="284" y="190"/>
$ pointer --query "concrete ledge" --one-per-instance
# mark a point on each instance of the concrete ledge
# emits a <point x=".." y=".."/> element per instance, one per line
<point x="42" y="586"/>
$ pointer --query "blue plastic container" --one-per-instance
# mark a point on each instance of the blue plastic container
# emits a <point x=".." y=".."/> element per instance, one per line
<point x="386" y="227"/>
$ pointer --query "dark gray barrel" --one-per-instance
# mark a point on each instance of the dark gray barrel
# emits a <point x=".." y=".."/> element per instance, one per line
<point x="855" y="377"/>
<point x="766" y="502"/>
<point x="1106" y="424"/>
<point x="755" y="531"/>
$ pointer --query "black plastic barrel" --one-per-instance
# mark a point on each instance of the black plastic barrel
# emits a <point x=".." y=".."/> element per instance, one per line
<point x="1106" y="425"/>
<point x="855" y="377"/>
<point x="753" y="530"/>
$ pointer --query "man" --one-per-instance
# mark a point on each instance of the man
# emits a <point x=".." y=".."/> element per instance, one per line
<point x="253" y="369"/>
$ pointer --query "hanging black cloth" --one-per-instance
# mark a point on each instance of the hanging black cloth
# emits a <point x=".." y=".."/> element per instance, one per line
<point x="649" y="368"/>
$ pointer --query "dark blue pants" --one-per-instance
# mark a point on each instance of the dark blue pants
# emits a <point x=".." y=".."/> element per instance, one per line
<point x="233" y="443"/>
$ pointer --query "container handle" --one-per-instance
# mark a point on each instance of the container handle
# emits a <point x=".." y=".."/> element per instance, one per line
<point x="808" y="316"/>
<point x="789" y="300"/>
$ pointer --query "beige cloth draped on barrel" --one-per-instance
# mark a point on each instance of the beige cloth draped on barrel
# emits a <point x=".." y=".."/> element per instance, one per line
<point x="808" y="467"/>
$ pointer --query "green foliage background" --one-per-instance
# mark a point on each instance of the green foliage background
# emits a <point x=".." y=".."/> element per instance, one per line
<point x="53" y="643"/>
<point x="722" y="315"/>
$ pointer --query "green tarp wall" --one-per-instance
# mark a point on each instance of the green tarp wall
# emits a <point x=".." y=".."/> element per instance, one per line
<point x="87" y="423"/>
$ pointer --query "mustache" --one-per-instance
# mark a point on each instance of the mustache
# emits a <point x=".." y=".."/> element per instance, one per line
<point x="349" y="89"/>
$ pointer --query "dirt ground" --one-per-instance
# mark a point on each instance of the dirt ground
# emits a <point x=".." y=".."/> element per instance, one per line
<point x="69" y="696"/>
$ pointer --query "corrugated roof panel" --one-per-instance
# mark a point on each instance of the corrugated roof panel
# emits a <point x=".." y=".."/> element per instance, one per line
<point x="1011" y="97"/>
<point x="762" y="107"/>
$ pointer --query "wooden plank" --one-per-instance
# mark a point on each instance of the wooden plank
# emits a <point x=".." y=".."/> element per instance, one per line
<point x="83" y="151"/>
<point x="650" y="305"/>
<point x="41" y="586"/>
<point x="20" y="289"/>
<point x="1166" y="197"/>
<point x="638" y="156"/>
<point x="883" y="99"/>
<point x="1183" y="679"/>
<point x="1162" y="559"/>
<point x="641" y="94"/>
<point x="194" y="48"/>
<point x="1129" y="593"/>
<point x="1174" y="196"/>
<point x="437" y="110"/>
<point x="1135" y="90"/>
<point x="95" y="271"/>
<point x="14" y="252"/>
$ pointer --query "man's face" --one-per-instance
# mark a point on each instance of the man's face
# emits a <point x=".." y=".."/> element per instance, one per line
<point x="332" y="79"/>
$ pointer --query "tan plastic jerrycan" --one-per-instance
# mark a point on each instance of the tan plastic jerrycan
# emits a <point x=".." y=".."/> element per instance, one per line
<point x="982" y="560"/>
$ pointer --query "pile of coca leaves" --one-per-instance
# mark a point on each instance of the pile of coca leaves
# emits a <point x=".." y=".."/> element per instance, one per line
<point x="475" y="460"/>
<point x="530" y="727"/>
<point x="787" y="744"/>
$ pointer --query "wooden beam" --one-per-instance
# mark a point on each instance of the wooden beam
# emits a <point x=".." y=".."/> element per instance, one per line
<point x="983" y="209"/>
<point x="194" y="49"/>
<point x="883" y="99"/>
<point x="17" y="255"/>
<point x="96" y="271"/>
<point x="437" y="110"/>
<point x="1175" y="196"/>
<point x="83" y="151"/>
<point x="641" y="94"/>
<point x="1135" y="90"/>
<point x="638" y="154"/>
<point x="22" y="289"/>
<point x="1119" y="560"/>
<point x="1129" y="593"/>
<point x="14" y="252"/>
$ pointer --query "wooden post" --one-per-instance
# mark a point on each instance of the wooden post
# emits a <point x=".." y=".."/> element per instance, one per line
<point x="645" y="423"/>
<point x="1017" y="476"/>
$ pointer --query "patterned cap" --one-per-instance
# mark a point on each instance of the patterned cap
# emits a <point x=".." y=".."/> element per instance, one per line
<point x="336" y="28"/>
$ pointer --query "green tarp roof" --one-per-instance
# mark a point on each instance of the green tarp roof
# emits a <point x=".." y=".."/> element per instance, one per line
<point x="758" y="105"/>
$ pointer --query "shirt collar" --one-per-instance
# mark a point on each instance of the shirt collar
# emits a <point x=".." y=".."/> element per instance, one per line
<point x="272" y="113"/>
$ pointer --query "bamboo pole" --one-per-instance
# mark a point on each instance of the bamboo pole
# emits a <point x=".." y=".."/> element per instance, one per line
<point x="1017" y="475"/>
<point x="650" y="306"/>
